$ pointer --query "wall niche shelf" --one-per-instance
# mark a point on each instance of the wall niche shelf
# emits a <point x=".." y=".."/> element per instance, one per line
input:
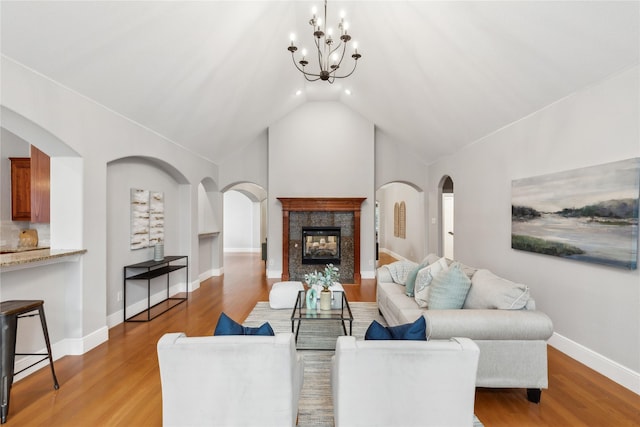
<point x="149" y="270"/>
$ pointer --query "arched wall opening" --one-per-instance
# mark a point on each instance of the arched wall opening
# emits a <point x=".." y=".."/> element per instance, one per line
<point x="245" y="218"/>
<point x="64" y="229"/>
<point x="400" y="220"/>
<point x="143" y="173"/>
<point x="209" y="229"/>
<point x="446" y="217"/>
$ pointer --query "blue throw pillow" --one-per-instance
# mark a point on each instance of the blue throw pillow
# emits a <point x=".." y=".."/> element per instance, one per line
<point x="228" y="326"/>
<point x="416" y="331"/>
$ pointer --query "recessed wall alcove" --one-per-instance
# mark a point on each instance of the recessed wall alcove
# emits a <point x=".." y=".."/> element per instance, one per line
<point x="343" y="212"/>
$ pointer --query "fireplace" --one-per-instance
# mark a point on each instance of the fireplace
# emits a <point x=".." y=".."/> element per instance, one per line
<point x="324" y="212"/>
<point x="321" y="245"/>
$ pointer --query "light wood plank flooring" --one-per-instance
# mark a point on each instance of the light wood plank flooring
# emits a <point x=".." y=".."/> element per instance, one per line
<point x="118" y="383"/>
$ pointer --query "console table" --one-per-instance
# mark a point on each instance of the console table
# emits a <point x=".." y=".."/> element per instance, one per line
<point x="149" y="270"/>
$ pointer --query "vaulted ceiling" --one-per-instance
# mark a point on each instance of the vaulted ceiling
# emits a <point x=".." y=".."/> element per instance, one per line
<point x="213" y="75"/>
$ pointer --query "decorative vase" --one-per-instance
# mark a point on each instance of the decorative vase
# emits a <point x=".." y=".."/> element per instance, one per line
<point x="158" y="252"/>
<point x="325" y="300"/>
<point x="312" y="299"/>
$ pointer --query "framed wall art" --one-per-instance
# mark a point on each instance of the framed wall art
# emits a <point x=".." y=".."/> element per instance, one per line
<point x="147" y="218"/>
<point x="588" y="214"/>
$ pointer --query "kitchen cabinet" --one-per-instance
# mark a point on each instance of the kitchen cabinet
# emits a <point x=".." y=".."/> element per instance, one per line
<point x="30" y="180"/>
<point x="40" y="178"/>
<point x="20" y="188"/>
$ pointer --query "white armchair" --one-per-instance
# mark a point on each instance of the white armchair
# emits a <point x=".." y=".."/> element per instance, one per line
<point x="229" y="380"/>
<point x="407" y="383"/>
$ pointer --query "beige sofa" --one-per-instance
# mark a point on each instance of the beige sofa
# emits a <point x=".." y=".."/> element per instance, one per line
<point x="512" y="342"/>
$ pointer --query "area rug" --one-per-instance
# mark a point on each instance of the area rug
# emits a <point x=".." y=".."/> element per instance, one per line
<point x="315" y="408"/>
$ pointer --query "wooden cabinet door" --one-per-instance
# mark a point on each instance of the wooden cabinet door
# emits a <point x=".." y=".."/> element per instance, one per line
<point x="40" y="178"/>
<point x="20" y="188"/>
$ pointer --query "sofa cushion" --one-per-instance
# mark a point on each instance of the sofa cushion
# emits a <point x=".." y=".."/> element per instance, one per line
<point x="399" y="303"/>
<point x="228" y="326"/>
<point x="469" y="271"/>
<point x="430" y="259"/>
<point x="491" y="291"/>
<point x="409" y="284"/>
<point x="449" y="289"/>
<point x="399" y="270"/>
<point x="425" y="276"/>
<point x="416" y="331"/>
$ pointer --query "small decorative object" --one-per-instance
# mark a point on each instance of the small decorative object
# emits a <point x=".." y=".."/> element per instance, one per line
<point x="28" y="238"/>
<point x="158" y="252"/>
<point x="325" y="300"/>
<point x="312" y="299"/>
<point x="325" y="279"/>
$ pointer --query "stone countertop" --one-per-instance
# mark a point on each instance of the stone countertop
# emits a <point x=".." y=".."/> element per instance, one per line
<point x="36" y="256"/>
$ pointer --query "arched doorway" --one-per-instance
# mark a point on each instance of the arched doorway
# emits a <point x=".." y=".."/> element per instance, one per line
<point x="447" y="217"/>
<point x="245" y="218"/>
<point x="400" y="227"/>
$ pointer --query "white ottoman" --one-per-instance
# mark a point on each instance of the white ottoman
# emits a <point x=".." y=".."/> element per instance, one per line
<point x="284" y="294"/>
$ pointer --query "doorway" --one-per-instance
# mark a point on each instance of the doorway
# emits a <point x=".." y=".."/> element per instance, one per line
<point x="447" y="228"/>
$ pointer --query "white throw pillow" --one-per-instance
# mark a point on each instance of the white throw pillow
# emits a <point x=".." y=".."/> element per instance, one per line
<point x="399" y="270"/>
<point x="424" y="278"/>
<point x="489" y="291"/>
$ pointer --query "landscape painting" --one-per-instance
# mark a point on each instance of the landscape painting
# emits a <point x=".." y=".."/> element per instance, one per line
<point x="588" y="214"/>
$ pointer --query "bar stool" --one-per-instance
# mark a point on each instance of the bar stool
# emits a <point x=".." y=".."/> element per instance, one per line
<point x="10" y="312"/>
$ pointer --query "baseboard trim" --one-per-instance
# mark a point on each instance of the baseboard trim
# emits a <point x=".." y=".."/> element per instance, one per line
<point x="194" y="285"/>
<point x="603" y="365"/>
<point x="204" y="276"/>
<point x="78" y="346"/>
<point x="118" y="317"/>
<point x="242" y="250"/>
<point x="367" y="274"/>
<point x="393" y="254"/>
<point x="214" y="272"/>
<point x="274" y="274"/>
<point x="66" y="347"/>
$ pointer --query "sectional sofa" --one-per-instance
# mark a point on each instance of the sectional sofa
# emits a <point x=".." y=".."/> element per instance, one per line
<point x="498" y="314"/>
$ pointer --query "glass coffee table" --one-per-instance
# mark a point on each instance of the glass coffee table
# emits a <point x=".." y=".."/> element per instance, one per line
<point x="321" y="335"/>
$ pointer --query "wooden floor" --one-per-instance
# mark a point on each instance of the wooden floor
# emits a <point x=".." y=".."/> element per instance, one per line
<point x="118" y="383"/>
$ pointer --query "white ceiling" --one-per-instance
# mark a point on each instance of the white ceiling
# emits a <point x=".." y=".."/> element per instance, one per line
<point x="213" y="75"/>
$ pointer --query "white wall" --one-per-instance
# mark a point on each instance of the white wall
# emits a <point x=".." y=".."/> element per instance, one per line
<point x="595" y="309"/>
<point x="208" y="220"/>
<point x="241" y="223"/>
<point x="397" y="163"/>
<point x="247" y="164"/>
<point x="411" y="247"/>
<point x="97" y="136"/>
<point x="322" y="149"/>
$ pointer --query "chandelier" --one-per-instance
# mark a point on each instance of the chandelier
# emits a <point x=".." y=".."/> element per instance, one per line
<point x="330" y="56"/>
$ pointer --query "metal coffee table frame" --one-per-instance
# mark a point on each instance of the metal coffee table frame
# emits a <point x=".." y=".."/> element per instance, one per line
<point x="341" y="312"/>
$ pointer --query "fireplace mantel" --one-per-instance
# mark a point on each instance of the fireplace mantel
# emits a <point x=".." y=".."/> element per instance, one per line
<point x="321" y="204"/>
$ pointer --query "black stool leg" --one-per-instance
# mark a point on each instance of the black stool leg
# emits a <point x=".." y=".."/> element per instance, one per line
<point x="8" y="328"/>
<point x="45" y="331"/>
